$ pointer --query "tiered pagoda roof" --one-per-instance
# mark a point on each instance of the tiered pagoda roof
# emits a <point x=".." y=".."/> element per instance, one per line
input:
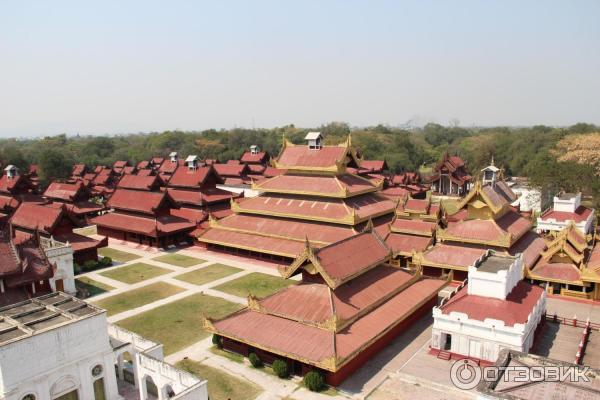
<point x="316" y="197"/>
<point x="347" y="300"/>
<point x="484" y="220"/>
<point x="564" y="259"/>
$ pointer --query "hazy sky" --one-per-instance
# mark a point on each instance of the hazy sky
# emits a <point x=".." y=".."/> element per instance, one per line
<point x="129" y="66"/>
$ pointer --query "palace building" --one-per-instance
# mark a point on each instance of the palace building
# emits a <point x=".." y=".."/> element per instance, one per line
<point x="484" y="220"/>
<point x="54" y="221"/>
<point x="567" y="265"/>
<point x="450" y="177"/>
<point x="567" y="208"/>
<point x="348" y="306"/>
<point x="75" y="197"/>
<point x="496" y="310"/>
<point x="315" y="198"/>
<point x="144" y="217"/>
<point x="413" y="228"/>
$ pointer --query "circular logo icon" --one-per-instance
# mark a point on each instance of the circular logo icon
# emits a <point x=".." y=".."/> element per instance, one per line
<point x="465" y="374"/>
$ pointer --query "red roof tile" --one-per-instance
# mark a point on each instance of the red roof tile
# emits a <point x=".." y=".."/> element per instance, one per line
<point x="557" y="271"/>
<point x="249" y="157"/>
<point x="581" y="214"/>
<point x="80" y="242"/>
<point x="193" y="178"/>
<point x="33" y="216"/>
<point x="454" y="255"/>
<point x="78" y="170"/>
<point x="255" y="242"/>
<point x="320" y="185"/>
<point x="231" y="170"/>
<point x="302" y="156"/>
<point x="8" y="202"/>
<point x="514" y="310"/>
<point x="139" y="182"/>
<point x="531" y="246"/>
<point x="64" y="191"/>
<point x="413" y="226"/>
<point x="140" y="201"/>
<point x="146" y="225"/>
<point x="406" y="244"/>
<point x="353" y="255"/>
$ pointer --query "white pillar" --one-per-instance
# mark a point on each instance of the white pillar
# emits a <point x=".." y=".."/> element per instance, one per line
<point x="120" y="367"/>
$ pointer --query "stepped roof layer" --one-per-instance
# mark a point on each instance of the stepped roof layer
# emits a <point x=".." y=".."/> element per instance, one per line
<point x="413" y="226"/>
<point x="406" y="244"/>
<point x="343" y="211"/>
<point x="326" y="323"/>
<point x="582" y="213"/>
<point x="519" y="303"/>
<point x="200" y="197"/>
<point x="254" y="158"/>
<point x="32" y="216"/>
<point x="324" y="158"/>
<point x="342" y="186"/>
<point x="564" y="258"/>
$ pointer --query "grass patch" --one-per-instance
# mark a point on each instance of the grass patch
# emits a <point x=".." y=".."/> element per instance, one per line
<point x="91" y="287"/>
<point x="138" y="297"/>
<point x="221" y="385"/>
<point x="179" y="260"/>
<point x="117" y="255"/>
<point x="256" y="283"/>
<point x="178" y="325"/>
<point x="238" y="358"/>
<point x="208" y="274"/>
<point x="134" y="273"/>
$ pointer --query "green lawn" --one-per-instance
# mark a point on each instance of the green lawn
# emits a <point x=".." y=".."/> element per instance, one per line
<point x="207" y="274"/>
<point x="221" y="385"/>
<point x="179" y="260"/>
<point x="117" y="255"/>
<point x="138" y="297"/>
<point x="179" y="324"/>
<point x="238" y="358"/>
<point x="256" y="283"/>
<point x="134" y="273"/>
<point x="91" y="287"/>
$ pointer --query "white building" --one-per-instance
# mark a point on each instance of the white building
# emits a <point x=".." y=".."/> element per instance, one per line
<point x="496" y="310"/>
<point x="61" y="255"/>
<point x="567" y="207"/>
<point x="528" y="198"/>
<point x="57" y="347"/>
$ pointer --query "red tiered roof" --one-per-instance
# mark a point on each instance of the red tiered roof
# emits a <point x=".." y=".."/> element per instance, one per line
<point x="453" y="254"/>
<point x="141" y="224"/>
<point x="581" y="214"/>
<point x="324" y="185"/>
<point x="198" y="198"/>
<point x="32" y="216"/>
<point x="65" y="191"/>
<point x="302" y="156"/>
<point x="401" y="243"/>
<point x="78" y="170"/>
<point x="139" y="201"/>
<point x="193" y="178"/>
<point x="254" y="158"/>
<point x="231" y="170"/>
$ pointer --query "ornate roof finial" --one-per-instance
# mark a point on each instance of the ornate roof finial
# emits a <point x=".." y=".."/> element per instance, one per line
<point x="492" y="164"/>
<point x="369" y="227"/>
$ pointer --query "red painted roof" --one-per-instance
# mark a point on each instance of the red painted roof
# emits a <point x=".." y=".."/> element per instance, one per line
<point x="143" y="164"/>
<point x="120" y="164"/>
<point x="248" y="157"/>
<point x="489" y="230"/>
<point x="413" y="225"/>
<point x="205" y="196"/>
<point x="145" y="172"/>
<point x="403" y="243"/>
<point x="395" y="192"/>
<point x="250" y="241"/>
<point x="231" y="170"/>
<point x="594" y="260"/>
<point x="83" y="208"/>
<point x="452" y="254"/>
<point x="135" y="200"/>
<point x="581" y="214"/>
<point x="286" y="336"/>
<point x="8" y="202"/>
<point x="302" y="156"/>
<point x="256" y="168"/>
<point x="271" y="172"/>
<point x="318" y="207"/>
<point x="142" y="224"/>
<point x="64" y="191"/>
<point x="80" y="242"/>
<point x="560" y="271"/>
<point x="353" y="255"/>
<point x="139" y="182"/>
<point x="168" y="166"/>
<point x="514" y="310"/>
<point x="8" y="184"/>
<point x="194" y="178"/>
<point x="102" y="177"/>
<point x="35" y="216"/>
<point x="78" y="170"/>
<point x="191" y="214"/>
<point x="373" y="165"/>
<point x="284" y="227"/>
<point x="531" y="246"/>
<point x="325" y="185"/>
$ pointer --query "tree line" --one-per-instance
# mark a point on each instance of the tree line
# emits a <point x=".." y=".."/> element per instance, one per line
<point x="552" y="157"/>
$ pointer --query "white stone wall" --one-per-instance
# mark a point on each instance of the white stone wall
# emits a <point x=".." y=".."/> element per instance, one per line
<point x="496" y="285"/>
<point x="165" y="376"/>
<point x="62" y="256"/>
<point x="551" y="224"/>
<point x="484" y="339"/>
<point x="528" y="199"/>
<point x="58" y="361"/>
<point x="567" y="205"/>
<point x="248" y="192"/>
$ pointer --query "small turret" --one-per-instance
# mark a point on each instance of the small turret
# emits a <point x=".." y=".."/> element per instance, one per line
<point x="314" y="140"/>
<point x="11" y="171"/>
<point x="173" y="156"/>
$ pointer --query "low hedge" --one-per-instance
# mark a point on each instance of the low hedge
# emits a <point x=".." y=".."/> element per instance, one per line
<point x="280" y="368"/>
<point x="314" y="381"/>
<point x="254" y="360"/>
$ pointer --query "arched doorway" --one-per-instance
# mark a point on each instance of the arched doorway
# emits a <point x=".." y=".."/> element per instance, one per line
<point x="150" y="389"/>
